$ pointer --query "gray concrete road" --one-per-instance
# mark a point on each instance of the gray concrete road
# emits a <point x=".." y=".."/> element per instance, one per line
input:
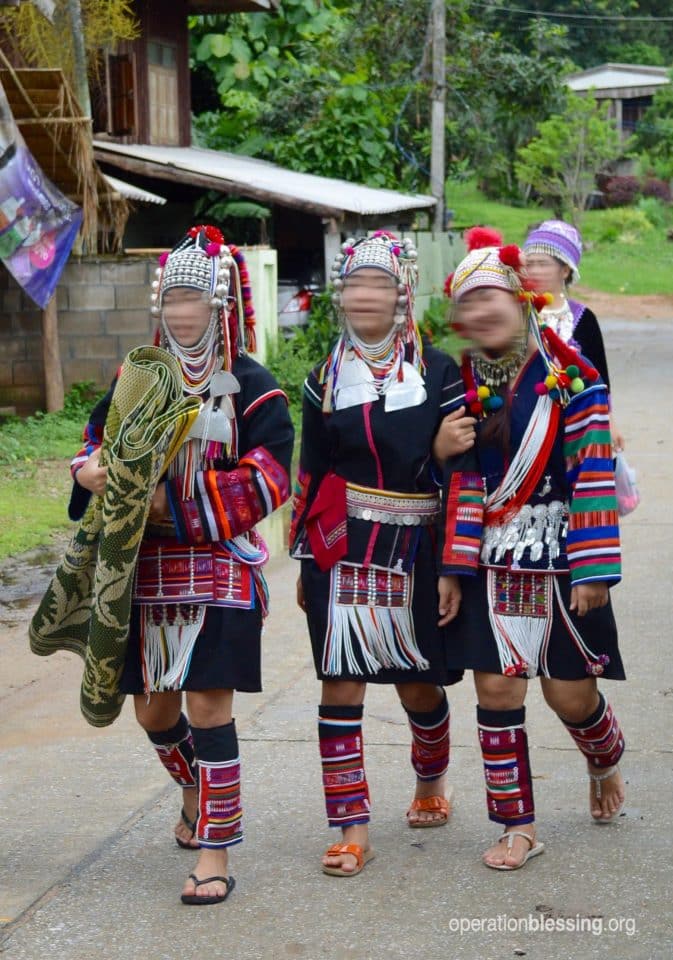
<point x="89" y="867"/>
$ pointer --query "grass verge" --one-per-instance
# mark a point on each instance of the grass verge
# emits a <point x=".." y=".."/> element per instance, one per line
<point x="636" y="261"/>
<point x="33" y="504"/>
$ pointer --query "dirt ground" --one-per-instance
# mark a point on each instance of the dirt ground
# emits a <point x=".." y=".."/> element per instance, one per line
<point x="622" y="307"/>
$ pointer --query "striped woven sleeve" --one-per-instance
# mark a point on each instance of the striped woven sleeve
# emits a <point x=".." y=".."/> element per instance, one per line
<point x="227" y="503"/>
<point x="593" y="531"/>
<point x="462" y="523"/>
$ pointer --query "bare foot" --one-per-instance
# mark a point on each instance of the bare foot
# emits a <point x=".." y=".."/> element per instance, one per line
<point x="606" y="796"/>
<point x="428" y="788"/>
<point x="500" y="854"/>
<point x="190" y="804"/>
<point x="211" y="863"/>
<point x="358" y="833"/>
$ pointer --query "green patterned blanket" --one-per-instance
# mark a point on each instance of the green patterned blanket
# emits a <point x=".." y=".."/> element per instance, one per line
<point x="87" y="606"/>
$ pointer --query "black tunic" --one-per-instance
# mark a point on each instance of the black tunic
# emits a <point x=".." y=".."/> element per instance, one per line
<point x="227" y="653"/>
<point x="384" y="450"/>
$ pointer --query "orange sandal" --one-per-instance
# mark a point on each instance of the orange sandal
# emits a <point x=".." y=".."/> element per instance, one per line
<point x="355" y="850"/>
<point x="431" y="805"/>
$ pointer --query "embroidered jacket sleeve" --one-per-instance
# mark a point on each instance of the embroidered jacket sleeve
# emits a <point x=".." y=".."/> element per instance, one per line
<point x="593" y="529"/>
<point x="314" y="460"/>
<point x="92" y="440"/>
<point x="462" y="516"/>
<point x="227" y="503"/>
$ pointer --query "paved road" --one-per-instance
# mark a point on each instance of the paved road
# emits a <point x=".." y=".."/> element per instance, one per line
<point x="88" y="867"/>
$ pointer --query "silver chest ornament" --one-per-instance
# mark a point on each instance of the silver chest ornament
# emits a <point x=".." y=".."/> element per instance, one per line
<point x="532" y="528"/>
<point x="213" y="423"/>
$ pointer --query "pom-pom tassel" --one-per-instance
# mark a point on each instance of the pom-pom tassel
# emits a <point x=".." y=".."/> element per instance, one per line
<point x="477" y="238"/>
<point x="510" y="256"/>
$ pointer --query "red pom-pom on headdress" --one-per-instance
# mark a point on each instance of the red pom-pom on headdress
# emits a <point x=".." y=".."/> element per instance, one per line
<point x="477" y="238"/>
<point x="213" y="234"/>
<point x="510" y="255"/>
<point x="448" y="283"/>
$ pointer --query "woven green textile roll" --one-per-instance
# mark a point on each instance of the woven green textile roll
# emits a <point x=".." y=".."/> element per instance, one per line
<point x="87" y="606"/>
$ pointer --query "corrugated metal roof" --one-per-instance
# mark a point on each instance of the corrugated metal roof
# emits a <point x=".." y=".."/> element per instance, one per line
<point x="617" y="76"/>
<point x="131" y="192"/>
<point x="232" y="173"/>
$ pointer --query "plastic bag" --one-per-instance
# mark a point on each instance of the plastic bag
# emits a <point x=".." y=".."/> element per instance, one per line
<point x="626" y="488"/>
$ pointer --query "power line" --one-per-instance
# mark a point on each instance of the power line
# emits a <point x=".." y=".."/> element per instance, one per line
<point x="619" y="18"/>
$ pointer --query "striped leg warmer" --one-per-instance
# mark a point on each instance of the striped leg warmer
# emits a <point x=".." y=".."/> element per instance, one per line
<point x="343" y="771"/>
<point x="599" y="736"/>
<point x="219" y="772"/>
<point x="430" y="740"/>
<point x="504" y="748"/>
<point x="175" y="749"/>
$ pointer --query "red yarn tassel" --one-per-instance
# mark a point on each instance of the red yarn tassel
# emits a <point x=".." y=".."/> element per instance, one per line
<point x="567" y="354"/>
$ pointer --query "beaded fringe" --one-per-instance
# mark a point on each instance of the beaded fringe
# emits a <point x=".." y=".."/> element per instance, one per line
<point x="167" y="649"/>
<point x="380" y="637"/>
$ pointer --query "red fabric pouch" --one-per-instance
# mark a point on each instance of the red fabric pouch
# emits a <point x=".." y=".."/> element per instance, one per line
<point x="326" y="522"/>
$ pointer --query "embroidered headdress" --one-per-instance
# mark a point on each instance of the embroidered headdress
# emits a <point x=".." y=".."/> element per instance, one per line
<point x="203" y="261"/>
<point x="399" y="356"/>
<point x="489" y="263"/>
<point x="557" y="239"/>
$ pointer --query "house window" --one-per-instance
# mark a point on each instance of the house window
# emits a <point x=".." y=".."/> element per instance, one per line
<point x="163" y="93"/>
<point x="121" y="96"/>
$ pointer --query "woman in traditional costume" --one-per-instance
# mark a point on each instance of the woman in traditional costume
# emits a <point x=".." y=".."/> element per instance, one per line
<point x="199" y="595"/>
<point x="364" y="519"/>
<point x="553" y="253"/>
<point x="530" y="542"/>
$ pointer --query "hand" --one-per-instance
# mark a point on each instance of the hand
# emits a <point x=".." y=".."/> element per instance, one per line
<point x="456" y="435"/>
<point x="301" y="602"/>
<point x="448" y="589"/>
<point x="618" y="441"/>
<point x="588" y="596"/>
<point x="159" y="511"/>
<point x="91" y="475"/>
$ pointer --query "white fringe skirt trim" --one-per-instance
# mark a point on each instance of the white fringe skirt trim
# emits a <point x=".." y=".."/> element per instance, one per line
<point x="370" y="625"/>
<point x="167" y="648"/>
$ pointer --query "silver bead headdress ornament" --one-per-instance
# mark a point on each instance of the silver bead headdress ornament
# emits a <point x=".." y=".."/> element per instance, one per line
<point x="398" y="358"/>
<point x="203" y="261"/>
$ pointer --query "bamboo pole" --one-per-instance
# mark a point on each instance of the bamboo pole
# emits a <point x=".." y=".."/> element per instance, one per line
<point x="51" y="358"/>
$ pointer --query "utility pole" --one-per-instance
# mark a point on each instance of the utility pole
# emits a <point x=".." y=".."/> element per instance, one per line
<point x="74" y="11"/>
<point x="438" y="121"/>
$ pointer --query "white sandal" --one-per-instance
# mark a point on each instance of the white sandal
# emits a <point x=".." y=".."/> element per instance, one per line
<point x="598" y="778"/>
<point x="536" y="848"/>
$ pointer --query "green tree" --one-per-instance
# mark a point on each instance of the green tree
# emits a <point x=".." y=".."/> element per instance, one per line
<point x="654" y="135"/>
<point x="603" y="30"/>
<point x="498" y="94"/>
<point x="561" y="163"/>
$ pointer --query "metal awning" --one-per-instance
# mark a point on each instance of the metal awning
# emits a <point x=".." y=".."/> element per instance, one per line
<point x="258" y="179"/>
<point x="131" y="192"/>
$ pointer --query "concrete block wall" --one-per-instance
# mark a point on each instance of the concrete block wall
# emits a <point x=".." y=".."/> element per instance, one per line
<point x="103" y="312"/>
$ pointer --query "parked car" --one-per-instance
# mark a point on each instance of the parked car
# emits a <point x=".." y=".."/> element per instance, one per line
<point x="294" y="304"/>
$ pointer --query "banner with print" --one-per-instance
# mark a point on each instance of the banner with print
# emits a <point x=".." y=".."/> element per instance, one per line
<point x="38" y="224"/>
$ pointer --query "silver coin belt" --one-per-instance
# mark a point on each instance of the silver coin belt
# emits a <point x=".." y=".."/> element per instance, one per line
<point x="421" y="510"/>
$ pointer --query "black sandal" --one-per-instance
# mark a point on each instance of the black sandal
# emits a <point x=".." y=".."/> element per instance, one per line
<point x="191" y="825"/>
<point x="194" y="900"/>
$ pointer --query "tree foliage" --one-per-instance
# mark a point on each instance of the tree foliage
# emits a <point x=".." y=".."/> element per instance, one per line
<point x="44" y="44"/>
<point x="603" y="30"/>
<point x="561" y="163"/>
<point x="654" y="135"/>
<point x="347" y="93"/>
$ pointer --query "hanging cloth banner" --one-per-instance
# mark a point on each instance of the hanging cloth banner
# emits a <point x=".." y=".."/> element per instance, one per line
<point x="38" y="224"/>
